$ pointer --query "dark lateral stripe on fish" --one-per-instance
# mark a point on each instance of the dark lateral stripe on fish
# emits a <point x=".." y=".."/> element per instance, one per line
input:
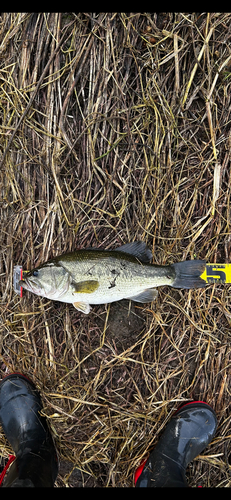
<point x="188" y="274"/>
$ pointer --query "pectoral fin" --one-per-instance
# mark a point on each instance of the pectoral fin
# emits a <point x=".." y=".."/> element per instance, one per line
<point x="82" y="306"/>
<point x="146" y="296"/>
<point x="88" y="286"/>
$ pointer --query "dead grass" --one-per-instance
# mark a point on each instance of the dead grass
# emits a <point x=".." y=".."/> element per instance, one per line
<point x="116" y="127"/>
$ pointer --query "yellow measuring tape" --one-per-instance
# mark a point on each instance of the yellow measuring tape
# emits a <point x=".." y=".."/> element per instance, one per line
<point x="217" y="273"/>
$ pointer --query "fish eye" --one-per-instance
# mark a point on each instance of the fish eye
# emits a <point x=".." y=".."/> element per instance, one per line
<point x="35" y="273"/>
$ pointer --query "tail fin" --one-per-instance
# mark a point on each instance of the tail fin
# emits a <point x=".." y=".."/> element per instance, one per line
<point x="188" y="274"/>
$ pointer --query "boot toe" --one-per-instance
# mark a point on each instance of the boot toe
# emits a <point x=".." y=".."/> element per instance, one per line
<point x="20" y="405"/>
<point x="28" y="433"/>
<point x="187" y="434"/>
<point x="195" y="426"/>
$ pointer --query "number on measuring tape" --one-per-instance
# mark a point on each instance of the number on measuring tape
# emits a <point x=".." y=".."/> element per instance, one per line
<point x="215" y="273"/>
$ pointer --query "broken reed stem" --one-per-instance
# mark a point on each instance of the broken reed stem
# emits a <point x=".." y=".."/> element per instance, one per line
<point x="210" y="120"/>
<point x="177" y="72"/>
<point x="196" y="67"/>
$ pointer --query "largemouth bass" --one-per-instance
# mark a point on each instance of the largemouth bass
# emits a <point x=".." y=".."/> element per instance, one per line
<point x="94" y="276"/>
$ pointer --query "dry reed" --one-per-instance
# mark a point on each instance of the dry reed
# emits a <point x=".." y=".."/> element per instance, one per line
<point x="116" y="127"/>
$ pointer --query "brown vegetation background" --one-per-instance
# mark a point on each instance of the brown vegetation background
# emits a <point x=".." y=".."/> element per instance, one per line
<point x="115" y="127"/>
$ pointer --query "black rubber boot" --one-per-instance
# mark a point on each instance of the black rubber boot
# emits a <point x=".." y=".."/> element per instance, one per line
<point x="187" y="434"/>
<point x="36" y="462"/>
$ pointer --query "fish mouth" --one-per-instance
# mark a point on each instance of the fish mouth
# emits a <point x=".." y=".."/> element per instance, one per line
<point x="29" y="285"/>
<point x="33" y="286"/>
<point x="22" y="283"/>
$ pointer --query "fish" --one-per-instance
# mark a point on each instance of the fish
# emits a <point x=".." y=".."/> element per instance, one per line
<point x="95" y="276"/>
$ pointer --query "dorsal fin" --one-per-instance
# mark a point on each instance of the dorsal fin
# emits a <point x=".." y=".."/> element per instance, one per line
<point x="137" y="248"/>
